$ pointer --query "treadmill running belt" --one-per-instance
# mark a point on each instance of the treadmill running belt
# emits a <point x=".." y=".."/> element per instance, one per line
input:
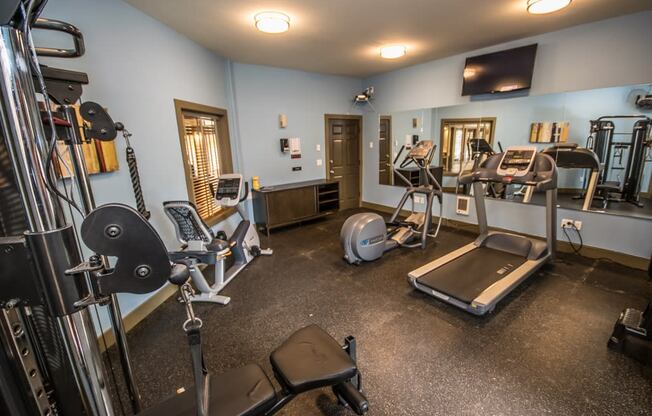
<point x="466" y="277"/>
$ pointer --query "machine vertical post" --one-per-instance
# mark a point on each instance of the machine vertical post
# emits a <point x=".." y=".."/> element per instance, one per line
<point x="551" y="221"/>
<point x="27" y="147"/>
<point x="88" y="205"/>
<point x="480" y="208"/>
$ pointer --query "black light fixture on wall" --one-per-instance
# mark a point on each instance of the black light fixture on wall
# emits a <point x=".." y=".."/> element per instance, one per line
<point x="364" y="97"/>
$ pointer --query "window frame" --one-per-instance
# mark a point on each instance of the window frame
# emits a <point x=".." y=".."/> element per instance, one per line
<point x="182" y="107"/>
<point x="470" y="120"/>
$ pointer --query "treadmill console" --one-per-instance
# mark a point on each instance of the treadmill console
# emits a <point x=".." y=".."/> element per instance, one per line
<point x="517" y="161"/>
<point x="229" y="190"/>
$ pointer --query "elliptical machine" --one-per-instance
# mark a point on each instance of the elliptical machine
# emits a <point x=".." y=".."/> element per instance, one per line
<point x="480" y="151"/>
<point x="366" y="236"/>
<point x="214" y="253"/>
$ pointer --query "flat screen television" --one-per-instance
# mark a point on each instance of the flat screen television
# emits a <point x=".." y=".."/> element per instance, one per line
<point x="503" y="71"/>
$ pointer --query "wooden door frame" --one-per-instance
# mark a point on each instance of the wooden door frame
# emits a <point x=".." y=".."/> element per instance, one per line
<point x="224" y="139"/>
<point x="327" y="164"/>
<point x="462" y="121"/>
<point x="390" y="145"/>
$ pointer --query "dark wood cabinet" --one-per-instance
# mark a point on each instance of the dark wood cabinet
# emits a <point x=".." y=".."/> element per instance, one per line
<point x="412" y="174"/>
<point x="279" y="205"/>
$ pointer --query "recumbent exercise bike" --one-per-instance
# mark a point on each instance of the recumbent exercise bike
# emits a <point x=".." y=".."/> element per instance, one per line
<point x="309" y="359"/>
<point x="218" y="256"/>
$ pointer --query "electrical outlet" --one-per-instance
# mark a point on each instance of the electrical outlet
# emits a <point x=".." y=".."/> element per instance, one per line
<point x="318" y="147"/>
<point x="319" y="162"/>
<point x="419" y="199"/>
<point x="371" y="145"/>
<point x="566" y="223"/>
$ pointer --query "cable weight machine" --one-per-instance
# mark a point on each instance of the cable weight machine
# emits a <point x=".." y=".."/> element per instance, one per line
<point x="46" y="320"/>
<point x="620" y="158"/>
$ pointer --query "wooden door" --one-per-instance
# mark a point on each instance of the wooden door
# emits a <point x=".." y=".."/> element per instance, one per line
<point x="385" y="168"/>
<point x="343" y="144"/>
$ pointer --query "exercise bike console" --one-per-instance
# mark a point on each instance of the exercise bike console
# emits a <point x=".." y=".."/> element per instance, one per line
<point x="229" y="190"/>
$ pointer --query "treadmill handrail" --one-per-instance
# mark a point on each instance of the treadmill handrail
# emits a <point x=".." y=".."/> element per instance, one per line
<point x="541" y="180"/>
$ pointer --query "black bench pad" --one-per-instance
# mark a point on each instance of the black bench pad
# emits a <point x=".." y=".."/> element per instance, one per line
<point x="309" y="359"/>
<point x="244" y="391"/>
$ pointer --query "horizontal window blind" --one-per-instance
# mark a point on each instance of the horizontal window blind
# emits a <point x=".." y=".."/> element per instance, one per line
<point x="202" y="153"/>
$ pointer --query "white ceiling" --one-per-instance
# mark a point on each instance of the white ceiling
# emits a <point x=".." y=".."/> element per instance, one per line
<point x="343" y="36"/>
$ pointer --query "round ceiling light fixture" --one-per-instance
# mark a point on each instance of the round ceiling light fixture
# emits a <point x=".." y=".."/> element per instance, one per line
<point x="272" y="22"/>
<point x="393" y="51"/>
<point x="546" y="6"/>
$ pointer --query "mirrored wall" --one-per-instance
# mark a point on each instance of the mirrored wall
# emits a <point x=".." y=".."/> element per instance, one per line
<point x="606" y="157"/>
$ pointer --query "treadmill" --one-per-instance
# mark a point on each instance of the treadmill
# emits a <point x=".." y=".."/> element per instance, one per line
<point x="478" y="275"/>
<point x="570" y="156"/>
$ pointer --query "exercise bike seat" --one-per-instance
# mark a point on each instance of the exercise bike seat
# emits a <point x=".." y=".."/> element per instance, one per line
<point x="310" y="358"/>
<point x="218" y="245"/>
<point x="245" y="391"/>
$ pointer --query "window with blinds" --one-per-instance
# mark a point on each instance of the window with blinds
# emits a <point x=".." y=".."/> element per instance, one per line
<point x="207" y="154"/>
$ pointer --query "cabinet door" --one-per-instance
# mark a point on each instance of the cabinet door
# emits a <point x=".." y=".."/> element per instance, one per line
<point x="291" y="205"/>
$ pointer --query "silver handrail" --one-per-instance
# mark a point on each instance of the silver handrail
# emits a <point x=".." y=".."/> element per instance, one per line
<point x="59" y="26"/>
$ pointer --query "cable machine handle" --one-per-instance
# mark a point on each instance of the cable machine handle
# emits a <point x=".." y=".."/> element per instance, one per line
<point x="134" y="175"/>
<point x="59" y="26"/>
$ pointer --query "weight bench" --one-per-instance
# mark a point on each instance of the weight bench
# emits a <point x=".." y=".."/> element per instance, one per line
<point x="308" y="359"/>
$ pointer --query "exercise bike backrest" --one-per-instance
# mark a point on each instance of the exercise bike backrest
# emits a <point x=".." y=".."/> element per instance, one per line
<point x="188" y="225"/>
<point x="190" y="229"/>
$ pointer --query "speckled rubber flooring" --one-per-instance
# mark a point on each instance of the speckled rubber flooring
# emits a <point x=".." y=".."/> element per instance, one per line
<point x="542" y="351"/>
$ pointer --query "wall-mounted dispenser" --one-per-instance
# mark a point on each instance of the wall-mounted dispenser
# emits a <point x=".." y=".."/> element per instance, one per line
<point x="285" y="145"/>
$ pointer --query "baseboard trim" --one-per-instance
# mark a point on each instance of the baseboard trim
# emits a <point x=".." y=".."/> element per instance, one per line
<point x="137" y="315"/>
<point x="628" y="260"/>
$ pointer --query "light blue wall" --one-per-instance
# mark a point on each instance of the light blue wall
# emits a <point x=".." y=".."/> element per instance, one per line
<point x="608" y="53"/>
<point x="137" y="66"/>
<point x="261" y="94"/>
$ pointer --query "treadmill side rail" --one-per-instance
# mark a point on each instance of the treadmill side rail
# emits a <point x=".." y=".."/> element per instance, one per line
<point x="488" y="299"/>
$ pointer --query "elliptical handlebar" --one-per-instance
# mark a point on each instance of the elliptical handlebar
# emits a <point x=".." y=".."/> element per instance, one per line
<point x="398" y="154"/>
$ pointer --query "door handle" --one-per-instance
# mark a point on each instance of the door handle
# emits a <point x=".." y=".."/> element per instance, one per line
<point x="331" y="161"/>
<point x="332" y="171"/>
